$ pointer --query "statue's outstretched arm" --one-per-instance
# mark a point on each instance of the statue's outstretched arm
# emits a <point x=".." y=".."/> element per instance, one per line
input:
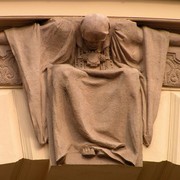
<point x="3" y="39"/>
<point x="174" y="39"/>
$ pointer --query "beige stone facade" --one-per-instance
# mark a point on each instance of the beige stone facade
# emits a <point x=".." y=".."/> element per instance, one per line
<point x="18" y="139"/>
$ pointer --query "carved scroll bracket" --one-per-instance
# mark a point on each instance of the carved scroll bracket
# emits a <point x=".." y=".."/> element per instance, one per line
<point x="172" y="72"/>
<point x="9" y="73"/>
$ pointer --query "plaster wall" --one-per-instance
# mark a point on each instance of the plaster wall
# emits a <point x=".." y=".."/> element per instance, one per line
<point x="126" y="8"/>
<point x="16" y="132"/>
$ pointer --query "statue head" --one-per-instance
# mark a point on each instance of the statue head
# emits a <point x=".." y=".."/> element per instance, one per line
<point x="94" y="30"/>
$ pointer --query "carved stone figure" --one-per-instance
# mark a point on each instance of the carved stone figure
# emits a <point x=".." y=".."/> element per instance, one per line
<point x="92" y="84"/>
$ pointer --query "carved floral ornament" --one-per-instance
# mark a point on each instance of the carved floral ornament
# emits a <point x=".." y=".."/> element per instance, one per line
<point x="172" y="72"/>
<point x="9" y="73"/>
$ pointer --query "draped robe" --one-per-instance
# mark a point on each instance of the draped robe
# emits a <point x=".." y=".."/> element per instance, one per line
<point x="110" y="110"/>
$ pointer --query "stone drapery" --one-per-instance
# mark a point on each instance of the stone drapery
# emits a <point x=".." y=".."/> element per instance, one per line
<point x="42" y="49"/>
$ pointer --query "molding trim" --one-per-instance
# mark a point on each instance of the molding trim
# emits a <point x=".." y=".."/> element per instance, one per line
<point x="23" y="124"/>
<point x="174" y="129"/>
<point x="30" y="146"/>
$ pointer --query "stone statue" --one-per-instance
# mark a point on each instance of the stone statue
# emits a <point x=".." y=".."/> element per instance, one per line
<point x="92" y="84"/>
